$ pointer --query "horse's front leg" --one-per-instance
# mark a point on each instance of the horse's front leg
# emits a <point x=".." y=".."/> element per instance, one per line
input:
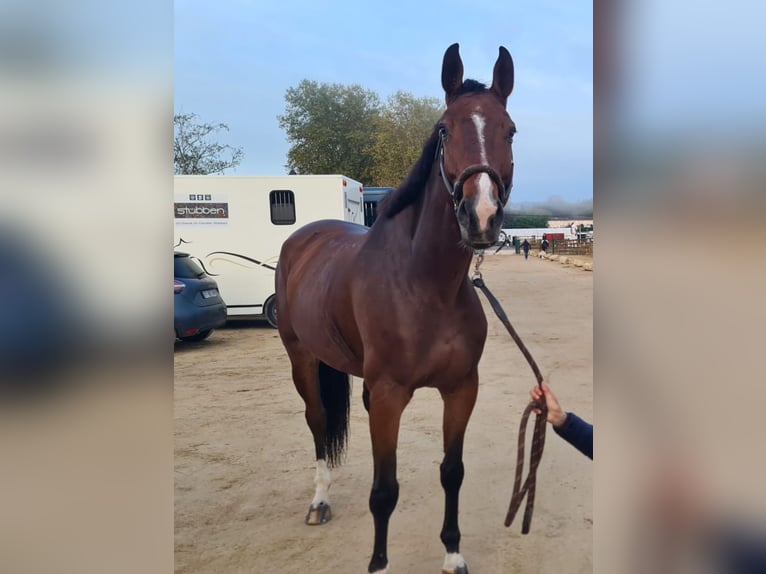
<point x="458" y="405"/>
<point x="387" y="401"/>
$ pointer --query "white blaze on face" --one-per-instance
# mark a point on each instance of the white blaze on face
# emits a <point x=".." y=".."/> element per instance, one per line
<point x="322" y="481"/>
<point x="486" y="206"/>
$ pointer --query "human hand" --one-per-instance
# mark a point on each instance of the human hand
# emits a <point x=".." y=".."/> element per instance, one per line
<point x="556" y="415"/>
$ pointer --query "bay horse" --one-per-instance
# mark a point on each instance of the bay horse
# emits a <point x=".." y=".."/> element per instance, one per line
<point x="393" y="304"/>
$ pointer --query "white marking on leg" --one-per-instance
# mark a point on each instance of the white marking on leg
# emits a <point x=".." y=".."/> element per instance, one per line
<point x="384" y="571"/>
<point x="486" y="205"/>
<point x="453" y="561"/>
<point x="322" y="482"/>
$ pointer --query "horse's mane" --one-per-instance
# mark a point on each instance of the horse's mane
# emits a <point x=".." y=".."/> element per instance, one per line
<point x="409" y="191"/>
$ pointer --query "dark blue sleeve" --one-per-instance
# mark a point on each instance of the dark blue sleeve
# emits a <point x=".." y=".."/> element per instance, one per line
<point x="578" y="433"/>
<point x="738" y="549"/>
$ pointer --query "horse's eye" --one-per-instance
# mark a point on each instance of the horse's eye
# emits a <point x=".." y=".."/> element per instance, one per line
<point x="443" y="132"/>
<point x="510" y="136"/>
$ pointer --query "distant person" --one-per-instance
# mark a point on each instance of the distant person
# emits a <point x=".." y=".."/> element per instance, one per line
<point x="525" y="246"/>
<point x="543" y="249"/>
<point x="568" y="426"/>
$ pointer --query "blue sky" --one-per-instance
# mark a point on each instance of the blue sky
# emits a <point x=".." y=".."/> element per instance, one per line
<point x="234" y="61"/>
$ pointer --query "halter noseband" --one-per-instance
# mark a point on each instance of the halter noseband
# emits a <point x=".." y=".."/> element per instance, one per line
<point x="456" y="190"/>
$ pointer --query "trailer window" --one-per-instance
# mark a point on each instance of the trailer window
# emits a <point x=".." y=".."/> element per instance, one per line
<point x="370" y="212"/>
<point x="282" y="207"/>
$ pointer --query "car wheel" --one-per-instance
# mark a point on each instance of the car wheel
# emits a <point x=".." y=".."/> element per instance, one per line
<point x="270" y="310"/>
<point x="201" y="336"/>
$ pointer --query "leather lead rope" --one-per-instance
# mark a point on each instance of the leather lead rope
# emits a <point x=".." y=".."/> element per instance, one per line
<point x="538" y="436"/>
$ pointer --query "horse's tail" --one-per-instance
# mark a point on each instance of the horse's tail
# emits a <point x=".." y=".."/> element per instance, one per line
<point x="335" y="390"/>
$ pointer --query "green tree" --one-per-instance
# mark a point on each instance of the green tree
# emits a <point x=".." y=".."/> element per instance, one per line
<point x="194" y="153"/>
<point x="329" y="127"/>
<point x="400" y="132"/>
<point x="524" y="221"/>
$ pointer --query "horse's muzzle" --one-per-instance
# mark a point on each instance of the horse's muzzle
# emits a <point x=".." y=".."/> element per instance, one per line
<point x="473" y="232"/>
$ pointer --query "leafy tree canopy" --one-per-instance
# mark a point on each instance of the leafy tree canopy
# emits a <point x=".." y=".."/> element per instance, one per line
<point x="525" y="221"/>
<point x="334" y="128"/>
<point x="401" y="129"/>
<point x="194" y="153"/>
<point x="329" y="127"/>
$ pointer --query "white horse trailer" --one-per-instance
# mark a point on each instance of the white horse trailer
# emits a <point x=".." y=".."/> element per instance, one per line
<point x="235" y="227"/>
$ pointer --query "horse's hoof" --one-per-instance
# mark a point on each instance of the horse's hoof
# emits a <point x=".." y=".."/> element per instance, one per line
<point x="321" y="514"/>
<point x="459" y="570"/>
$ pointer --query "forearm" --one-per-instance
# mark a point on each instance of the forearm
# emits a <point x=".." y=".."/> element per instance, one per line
<point x="578" y="433"/>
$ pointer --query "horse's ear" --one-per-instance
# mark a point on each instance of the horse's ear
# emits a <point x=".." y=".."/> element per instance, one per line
<point x="452" y="71"/>
<point x="502" y="79"/>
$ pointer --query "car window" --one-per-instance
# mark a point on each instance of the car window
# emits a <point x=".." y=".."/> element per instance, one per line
<point x="186" y="268"/>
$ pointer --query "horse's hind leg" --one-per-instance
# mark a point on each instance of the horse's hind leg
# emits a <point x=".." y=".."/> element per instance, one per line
<point x="326" y="394"/>
<point x="306" y="380"/>
<point x="458" y="406"/>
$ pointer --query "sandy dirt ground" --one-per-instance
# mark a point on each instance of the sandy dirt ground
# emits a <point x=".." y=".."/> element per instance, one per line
<point x="244" y="456"/>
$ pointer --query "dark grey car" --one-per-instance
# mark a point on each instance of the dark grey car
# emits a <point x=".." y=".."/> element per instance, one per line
<point x="197" y="303"/>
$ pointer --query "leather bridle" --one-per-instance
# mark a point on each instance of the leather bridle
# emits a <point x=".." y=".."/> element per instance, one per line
<point x="455" y="190"/>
